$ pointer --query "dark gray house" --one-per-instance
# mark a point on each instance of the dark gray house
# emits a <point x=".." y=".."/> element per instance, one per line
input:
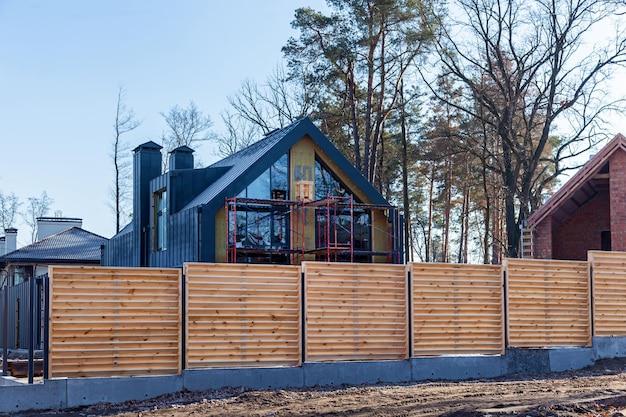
<point x="289" y="197"/>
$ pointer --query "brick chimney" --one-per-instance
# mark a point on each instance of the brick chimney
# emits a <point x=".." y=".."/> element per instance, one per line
<point x="147" y="162"/>
<point x="48" y="226"/>
<point x="10" y="240"/>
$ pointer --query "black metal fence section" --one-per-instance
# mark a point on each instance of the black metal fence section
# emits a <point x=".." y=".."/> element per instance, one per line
<point x="24" y="321"/>
<point x="17" y="314"/>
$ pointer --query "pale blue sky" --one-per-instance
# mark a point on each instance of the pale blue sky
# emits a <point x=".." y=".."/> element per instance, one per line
<point x="61" y="63"/>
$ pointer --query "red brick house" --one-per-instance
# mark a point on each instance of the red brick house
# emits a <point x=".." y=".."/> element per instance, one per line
<point x="587" y="213"/>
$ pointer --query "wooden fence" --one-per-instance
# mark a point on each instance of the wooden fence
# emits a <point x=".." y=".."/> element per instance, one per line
<point x="355" y="311"/>
<point x="609" y="292"/>
<point x="456" y="309"/>
<point x="242" y="315"/>
<point x="127" y="321"/>
<point x="548" y="303"/>
<point x="114" y="321"/>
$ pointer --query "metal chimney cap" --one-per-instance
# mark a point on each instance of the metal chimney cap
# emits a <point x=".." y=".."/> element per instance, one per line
<point x="148" y="146"/>
<point x="182" y="149"/>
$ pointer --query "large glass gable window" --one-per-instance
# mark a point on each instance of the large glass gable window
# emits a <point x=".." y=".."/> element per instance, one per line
<point x="341" y="223"/>
<point x="326" y="184"/>
<point x="260" y="226"/>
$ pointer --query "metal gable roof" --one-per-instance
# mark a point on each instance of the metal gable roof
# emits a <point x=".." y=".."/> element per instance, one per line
<point x="250" y="162"/>
<point x="72" y="245"/>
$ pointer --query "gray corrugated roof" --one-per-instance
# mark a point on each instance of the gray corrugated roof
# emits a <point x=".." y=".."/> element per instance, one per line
<point x="240" y="162"/>
<point x="72" y="245"/>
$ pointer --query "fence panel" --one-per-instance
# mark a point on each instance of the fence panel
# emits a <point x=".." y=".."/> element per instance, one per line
<point x="456" y="309"/>
<point x="609" y="292"/>
<point x="355" y="311"/>
<point x="242" y="315"/>
<point x="114" y="321"/>
<point x="548" y="303"/>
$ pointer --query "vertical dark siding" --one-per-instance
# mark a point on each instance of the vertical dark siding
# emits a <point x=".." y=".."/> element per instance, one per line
<point x="182" y="240"/>
<point x="118" y="251"/>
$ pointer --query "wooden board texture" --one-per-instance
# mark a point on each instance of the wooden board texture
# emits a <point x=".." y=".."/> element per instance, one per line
<point x="242" y="315"/>
<point x="355" y="311"/>
<point x="114" y="321"/>
<point x="609" y="293"/>
<point x="548" y="303"/>
<point x="456" y="309"/>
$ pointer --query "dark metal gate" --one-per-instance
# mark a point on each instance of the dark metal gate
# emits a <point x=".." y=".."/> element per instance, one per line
<point x="24" y="320"/>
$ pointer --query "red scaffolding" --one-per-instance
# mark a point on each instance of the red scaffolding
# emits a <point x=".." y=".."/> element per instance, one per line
<point x="328" y="244"/>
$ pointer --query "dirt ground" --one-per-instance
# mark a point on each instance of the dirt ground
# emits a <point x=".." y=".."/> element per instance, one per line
<point x="596" y="391"/>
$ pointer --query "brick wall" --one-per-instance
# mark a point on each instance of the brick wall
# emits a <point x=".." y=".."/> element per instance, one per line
<point x="581" y="232"/>
<point x="542" y="239"/>
<point x="617" y="186"/>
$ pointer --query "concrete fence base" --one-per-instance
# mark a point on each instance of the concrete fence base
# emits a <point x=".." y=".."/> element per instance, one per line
<point x="67" y="393"/>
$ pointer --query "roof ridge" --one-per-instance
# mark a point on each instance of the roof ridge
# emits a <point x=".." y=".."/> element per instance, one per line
<point x="595" y="161"/>
<point x="87" y="231"/>
<point x="266" y="137"/>
<point x="50" y="237"/>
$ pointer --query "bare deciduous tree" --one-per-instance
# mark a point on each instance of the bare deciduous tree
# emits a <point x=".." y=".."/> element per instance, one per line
<point x="9" y="206"/>
<point x="239" y="134"/>
<point x="526" y="65"/>
<point x="36" y="207"/>
<point x="185" y="126"/>
<point x="125" y="122"/>
<point x="274" y="104"/>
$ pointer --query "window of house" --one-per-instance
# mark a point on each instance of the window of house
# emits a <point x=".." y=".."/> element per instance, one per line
<point x="160" y="220"/>
<point x="261" y="226"/>
<point x="605" y="240"/>
<point x="340" y="229"/>
<point x="341" y="223"/>
<point x="19" y="274"/>
<point x="326" y="184"/>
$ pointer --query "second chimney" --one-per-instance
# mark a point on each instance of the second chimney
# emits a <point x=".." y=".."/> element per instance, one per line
<point x="181" y="158"/>
<point x="10" y="240"/>
<point x="48" y="226"/>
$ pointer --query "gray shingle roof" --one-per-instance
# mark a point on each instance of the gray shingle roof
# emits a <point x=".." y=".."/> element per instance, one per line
<point x="72" y="245"/>
<point x="239" y="162"/>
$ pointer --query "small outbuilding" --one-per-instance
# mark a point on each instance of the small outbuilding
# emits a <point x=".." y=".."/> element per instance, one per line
<point x="587" y="213"/>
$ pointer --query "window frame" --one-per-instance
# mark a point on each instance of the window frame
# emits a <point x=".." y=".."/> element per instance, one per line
<point x="159" y="240"/>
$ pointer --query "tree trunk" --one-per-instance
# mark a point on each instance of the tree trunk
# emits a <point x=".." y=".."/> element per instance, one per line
<point x="405" y="176"/>
<point x="429" y="234"/>
<point x="354" y="119"/>
<point x="486" y="215"/>
<point x="447" y="210"/>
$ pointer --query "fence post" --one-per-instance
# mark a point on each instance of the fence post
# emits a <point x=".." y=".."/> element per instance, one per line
<point x="32" y="286"/>
<point x="183" y="318"/>
<point x="46" y="317"/>
<point x="5" y="332"/>
<point x="505" y="306"/>
<point x="302" y="314"/>
<point x="409" y="290"/>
